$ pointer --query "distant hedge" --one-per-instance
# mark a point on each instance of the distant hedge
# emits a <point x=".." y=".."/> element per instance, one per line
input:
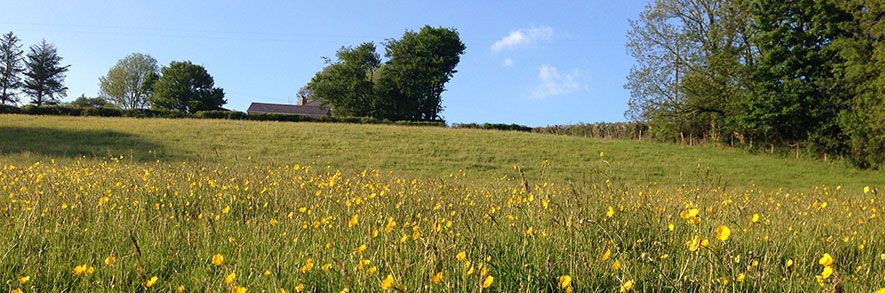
<point x="231" y="115"/>
<point x="493" y="126"/>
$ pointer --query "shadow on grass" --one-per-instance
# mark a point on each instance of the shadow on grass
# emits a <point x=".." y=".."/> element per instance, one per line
<point x="71" y="143"/>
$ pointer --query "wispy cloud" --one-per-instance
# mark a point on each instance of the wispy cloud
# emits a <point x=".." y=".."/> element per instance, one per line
<point x="523" y="37"/>
<point x="508" y="62"/>
<point x="553" y="83"/>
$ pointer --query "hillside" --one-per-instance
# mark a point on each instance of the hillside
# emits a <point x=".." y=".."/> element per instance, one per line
<point x="409" y="151"/>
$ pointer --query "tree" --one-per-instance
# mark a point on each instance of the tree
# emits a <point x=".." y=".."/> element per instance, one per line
<point x="10" y="68"/>
<point x="690" y="59"/>
<point x="96" y="102"/>
<point x="186" y="87"/>
<point x="123" y="85"/>
<point x="44" y="74"/>
<point x="420" y="65"/>
<point x="347" y="83"/>
<point x="408" y="86"/>
<point x="794" y="99"/>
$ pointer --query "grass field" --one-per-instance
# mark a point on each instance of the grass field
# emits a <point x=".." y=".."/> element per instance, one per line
<point x="208" y="205"/>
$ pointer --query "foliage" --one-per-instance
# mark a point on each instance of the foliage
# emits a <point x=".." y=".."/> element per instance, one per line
<point x="124" y="83"/>
<point x="408" y="86"/>
<point x="790" y="74"/>
<point x="44" y="74"/>
<point x="493" y="126"/>
<point x="10" y="68"/>
<point x="186" y="87"/>
<point x="96" y="102"/>
<point x="617" y="130"/>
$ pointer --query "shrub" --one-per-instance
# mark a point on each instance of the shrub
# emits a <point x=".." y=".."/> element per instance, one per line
<point x="102" y="112"/>
<point x="9" y="109"/>
<point x="221" y="114"/>
<point x="493" y="126"/>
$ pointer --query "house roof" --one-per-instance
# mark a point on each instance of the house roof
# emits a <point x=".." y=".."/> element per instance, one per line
<point x="311" y="109"/>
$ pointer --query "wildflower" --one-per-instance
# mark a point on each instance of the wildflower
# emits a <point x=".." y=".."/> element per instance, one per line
<point x="788" y="263"/>
<point x="230" y="279"/>
<point x="616" y="265"/>
<point x="705" y="243"/>
<point x="866" y="189"/>
<point x="722" y="232"/>
<point x="238" y="289"/>
<point x="372" y="270"/>
<point x="353" y="221"/>
<point x="217" y="259"/>
<point x="755" y="218"/>
<point x="691" y="216"/>
<point x="437" y="278"/>
<point x="16" y="290"/>
<point x="610" y="213"/>
<point x="488" y="282"/>
<point x="530" y="231"/>
<point x="740" y="278"/>
<point x="606" y="255"/>
<point x="387" y="283"/>
<point x="80" y="270"/>
<point x="391" y="224"/>
<point x="110" y="260"/>
<point x="827" y="272"/>
<point x="627" y="286"/>
<point x="461" y="256"/>
<point x="150" y="282"/>
<point x="180" y="289"/>
<point x="670" y="227"/>
<point x="694" y="243"/>
<point x="299" y="287"/>
<point x="360" y="249"/>
<point x="327" y="266"/>
<point x="565" y="281"/>
<point x="826" y="260"/>
<point x="24" y="279"/>
<point x="722" y="280"/>
<point x="308" y="265"/>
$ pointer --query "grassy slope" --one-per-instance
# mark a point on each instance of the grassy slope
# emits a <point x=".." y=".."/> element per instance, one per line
<point x="407" y="150"/>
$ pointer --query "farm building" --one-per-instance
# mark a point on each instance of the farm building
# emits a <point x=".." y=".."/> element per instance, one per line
<point x="304" y="107"/>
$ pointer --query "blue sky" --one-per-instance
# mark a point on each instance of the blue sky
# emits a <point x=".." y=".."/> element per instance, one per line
<point x="529" y="62"/>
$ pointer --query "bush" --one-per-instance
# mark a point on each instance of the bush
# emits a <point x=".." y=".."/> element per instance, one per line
<point x="221" y="114"/>
<point x="8" y="109"/>
<point x="493" y="126"/>
<point x="51" y="110"/>
<point x="438" y="123"/>
<point x="152" y="113"/>
<point x="102" y="112"/>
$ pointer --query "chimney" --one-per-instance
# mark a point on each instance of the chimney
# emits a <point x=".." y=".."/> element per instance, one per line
<point x="302" y="100"/>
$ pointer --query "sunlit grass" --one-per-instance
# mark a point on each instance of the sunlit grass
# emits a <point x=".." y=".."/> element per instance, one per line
<point x="117" y="225"/>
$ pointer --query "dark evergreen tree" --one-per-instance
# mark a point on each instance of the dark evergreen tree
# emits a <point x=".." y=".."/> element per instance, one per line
<point x="45" y="75"/>
<point x="10" y="68"/>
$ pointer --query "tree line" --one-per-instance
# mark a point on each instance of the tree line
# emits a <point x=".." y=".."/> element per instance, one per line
<point x="801" y="74"/>
<point x="135" y="82"/>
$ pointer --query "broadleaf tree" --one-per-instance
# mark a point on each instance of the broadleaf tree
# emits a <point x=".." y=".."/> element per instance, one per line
<point x="123" y="84"/>
<point x="186" y="87"/>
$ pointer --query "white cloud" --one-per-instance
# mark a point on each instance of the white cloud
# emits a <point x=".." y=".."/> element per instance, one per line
<point x="508" y="62"/>
<point x="523" y="37"/>
<point x="552" y="83"/>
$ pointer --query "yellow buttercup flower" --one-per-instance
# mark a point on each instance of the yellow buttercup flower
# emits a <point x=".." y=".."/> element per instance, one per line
<point x="359" y="249"/>
<point x="230" y="279"/>
<point x="238" y="289"/>
<point x="24" y="279"/>
<point x="826" y="260"/>
<point x="606" y="255"/>
<point x="488" y="282"/>
<point x="827" y="272"/>
<point x="610" y="213"/>
<point x="616" y="265"/>
<point x="110" y="260"/>
<point x="755" y="218"/>
<point x="308" y="265"/>
<point x="694" y="243"/>
<point x="150" y="282"/>
<point x="461" y="256"/>
<point x="387" y="283"/>
<point x="217" y="259"/>
<point x="437" y="278"/>
<point x="299" y="288"/>
<point x="565" y="281"/>
<point x="723" y="232"/>
<point x="80" y="270"/>
<point x="626" y="286"/>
